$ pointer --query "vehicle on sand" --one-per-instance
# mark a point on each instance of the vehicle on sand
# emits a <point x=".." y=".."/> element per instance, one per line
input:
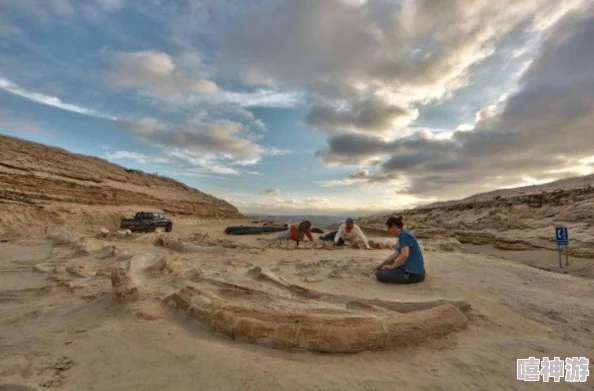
<point x="147" y="222"/>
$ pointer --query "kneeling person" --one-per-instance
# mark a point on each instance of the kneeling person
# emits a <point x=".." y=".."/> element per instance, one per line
<point x="405" y="265"/>
<point x="295" y="233"/>
<point x="348" y="231"/>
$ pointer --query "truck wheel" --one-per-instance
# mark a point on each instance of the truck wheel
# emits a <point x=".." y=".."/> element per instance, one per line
<point x="168" y="228"/>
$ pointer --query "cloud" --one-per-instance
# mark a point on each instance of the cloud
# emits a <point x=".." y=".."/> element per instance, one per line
<point x="271" y="192"/>
<point x="9" y="30"/>
<point x="411" y="51"/>
<point x="111" y="5"/>
<point x="156" y="74"/>
<point x="259" y="98"/>
<point x="363" y="174"/>
<point x="544" y="128"/>
<point x="354" y="150"/>
<point x="368" y="115"/>
<point x="364" y="178"/>
<point x="313" y="204"/>
<point x="53" y="101"/>
<point x="486" y="113"/>
<point x="9" y="122"/>
<point x="47" y="11"/>
<point x="190" y="174"/>
<point x="286" y="204"/>
<point x="143" y="125"/>
<point x="136" y="157"/>
<point x="204" y="163"/>
<point x="220" y="138"/>
<point x="179" y="162"/>
<point x="249" y="116"/>
<point x="272" y="151"/>
<point x="464" y="128"/>
<point x="201" y="163"/>
<point x="367" y="69"/>
<point x="208" y="145"/>
<point x="184" y="81"/>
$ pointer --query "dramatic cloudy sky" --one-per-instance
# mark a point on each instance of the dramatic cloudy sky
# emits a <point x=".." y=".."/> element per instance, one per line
<point x="309" y="106"/>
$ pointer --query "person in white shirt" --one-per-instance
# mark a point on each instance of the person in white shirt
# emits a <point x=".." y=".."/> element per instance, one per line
<point x="348" y="231"/>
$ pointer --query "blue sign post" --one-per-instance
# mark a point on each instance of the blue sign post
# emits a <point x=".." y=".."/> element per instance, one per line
<point x="562" y="238"/>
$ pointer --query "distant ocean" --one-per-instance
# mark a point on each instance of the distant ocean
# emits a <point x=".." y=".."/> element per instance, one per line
<point x="320" y="221"/>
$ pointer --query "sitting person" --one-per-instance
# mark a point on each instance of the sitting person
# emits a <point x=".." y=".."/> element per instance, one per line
<point x="405" y="265"/>
<point x="348" y="231"/>
<point x="296" y="233"/>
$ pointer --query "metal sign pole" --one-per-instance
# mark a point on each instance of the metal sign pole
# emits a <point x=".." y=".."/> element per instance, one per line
<point x="562" y="238"/>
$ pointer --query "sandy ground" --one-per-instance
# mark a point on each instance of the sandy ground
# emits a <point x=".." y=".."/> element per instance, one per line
<point x="60" y="327"/>
<point x="543" y="259"/>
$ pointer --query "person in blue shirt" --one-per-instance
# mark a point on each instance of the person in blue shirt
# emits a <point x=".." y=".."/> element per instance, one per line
<point x="405" y="265"/>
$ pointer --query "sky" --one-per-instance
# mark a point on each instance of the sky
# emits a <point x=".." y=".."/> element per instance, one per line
<point x="334" y="107"/>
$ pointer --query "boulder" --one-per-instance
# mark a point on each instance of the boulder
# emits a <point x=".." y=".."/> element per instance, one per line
<point x="124" y="288"/>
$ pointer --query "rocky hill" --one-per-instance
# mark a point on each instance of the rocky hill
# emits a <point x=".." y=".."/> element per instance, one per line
<point x="43" y="186"/>
<point x="555" y="193"/>
<point x="515" y="219"/>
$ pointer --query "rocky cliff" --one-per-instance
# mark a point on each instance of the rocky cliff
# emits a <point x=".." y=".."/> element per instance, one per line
<point x="515" y="219"/>
<point x="41" y="185"/>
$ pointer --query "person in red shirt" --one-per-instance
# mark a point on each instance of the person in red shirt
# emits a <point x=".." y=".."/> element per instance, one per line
<point x="295" y="233"/>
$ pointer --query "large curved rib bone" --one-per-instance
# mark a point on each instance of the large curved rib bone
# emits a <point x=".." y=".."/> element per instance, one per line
<point x="295" y="328"/>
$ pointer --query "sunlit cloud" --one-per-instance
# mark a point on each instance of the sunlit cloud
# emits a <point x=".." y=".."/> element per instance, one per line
<point x="53" y="101"/>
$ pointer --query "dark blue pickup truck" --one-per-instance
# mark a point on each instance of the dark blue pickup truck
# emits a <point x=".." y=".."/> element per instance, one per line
<point x="147" y="222"/>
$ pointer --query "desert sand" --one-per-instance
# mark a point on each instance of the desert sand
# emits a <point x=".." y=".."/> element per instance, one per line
<point x="84" y="306"/>
<point x="63" y="325"/>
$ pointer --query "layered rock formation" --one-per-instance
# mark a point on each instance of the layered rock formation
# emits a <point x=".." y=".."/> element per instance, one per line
<point x="36" y="177"/>
<point x="510" y="219"/>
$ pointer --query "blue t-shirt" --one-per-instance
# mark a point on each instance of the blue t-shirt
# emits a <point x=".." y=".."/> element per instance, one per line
<point x="414" y="263"/>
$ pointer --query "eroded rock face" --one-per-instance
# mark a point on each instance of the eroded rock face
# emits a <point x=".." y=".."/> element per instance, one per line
<point x="34" y="178"/>
<point x="515" y="245"/>
<point x="478" y="238"/>
<point x="442" y="244"/>
<point x="508" y="219"/>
